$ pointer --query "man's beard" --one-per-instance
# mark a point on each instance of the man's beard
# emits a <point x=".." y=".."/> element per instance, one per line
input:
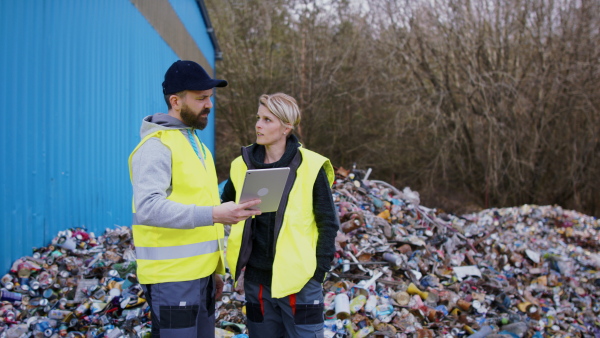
<point x="192" y="120"/>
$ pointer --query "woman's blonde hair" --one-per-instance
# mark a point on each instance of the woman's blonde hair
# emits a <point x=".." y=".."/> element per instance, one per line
<point x="284" y="107"/>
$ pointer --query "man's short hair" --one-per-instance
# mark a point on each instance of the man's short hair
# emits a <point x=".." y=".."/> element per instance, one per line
<point x="181" y="94"/>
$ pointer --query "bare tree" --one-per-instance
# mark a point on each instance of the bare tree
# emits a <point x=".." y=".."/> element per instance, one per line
<point x="494" y="103"/>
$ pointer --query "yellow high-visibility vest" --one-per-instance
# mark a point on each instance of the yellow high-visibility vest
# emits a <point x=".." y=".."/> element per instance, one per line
<point x="175" y="255"/>
<point x="296" y="243"/>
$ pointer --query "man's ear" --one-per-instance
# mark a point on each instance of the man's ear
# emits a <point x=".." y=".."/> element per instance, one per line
<point x="175" y="101"/>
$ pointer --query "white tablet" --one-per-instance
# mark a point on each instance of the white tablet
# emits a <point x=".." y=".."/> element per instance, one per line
<point x="266" y="184"/>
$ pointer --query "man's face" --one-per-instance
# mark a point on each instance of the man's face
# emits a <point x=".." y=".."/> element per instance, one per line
<point x="196" y="107"/>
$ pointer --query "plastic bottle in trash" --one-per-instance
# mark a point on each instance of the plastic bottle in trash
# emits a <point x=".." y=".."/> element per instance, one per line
<point x="384" y="309"/>
<point x="371" y="303"/>
<point x="357" y="303"/>
<point x="519" y="329"/>
<point x="483" y="332"/>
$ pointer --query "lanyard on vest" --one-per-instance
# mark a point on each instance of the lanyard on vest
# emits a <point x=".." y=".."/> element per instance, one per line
<point x="195" y="146"/>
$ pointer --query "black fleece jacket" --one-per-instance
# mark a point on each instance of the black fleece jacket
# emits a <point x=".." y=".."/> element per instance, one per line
<point x="260" y="265"/>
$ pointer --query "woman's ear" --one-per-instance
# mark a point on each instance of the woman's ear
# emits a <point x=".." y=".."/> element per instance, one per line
<point x="288" y="129"/>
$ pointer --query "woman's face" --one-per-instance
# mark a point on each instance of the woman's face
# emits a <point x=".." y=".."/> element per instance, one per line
<point x="269" y="129"/>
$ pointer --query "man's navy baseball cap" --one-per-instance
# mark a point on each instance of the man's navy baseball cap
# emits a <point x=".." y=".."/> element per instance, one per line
<point x="188" y="75"/>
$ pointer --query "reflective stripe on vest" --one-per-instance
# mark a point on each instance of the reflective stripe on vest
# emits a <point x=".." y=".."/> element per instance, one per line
<point x="297" y="241"/>
<point x="172" y="255"/>
<point x="181" y="251"/>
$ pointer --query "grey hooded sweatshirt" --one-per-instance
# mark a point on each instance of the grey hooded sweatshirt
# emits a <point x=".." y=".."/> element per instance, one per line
<point x="151" y="173"/>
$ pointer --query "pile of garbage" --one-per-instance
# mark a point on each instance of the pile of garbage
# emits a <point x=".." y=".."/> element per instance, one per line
<point x="400" y="270"/>
<point x="78" y="286"/>
<point x="405" y="270"/>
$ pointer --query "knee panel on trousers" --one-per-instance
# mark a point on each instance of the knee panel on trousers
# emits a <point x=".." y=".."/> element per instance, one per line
<point x="254" y="313"/>
<point x="308" y="314"/>
<point x="178" y="317"/>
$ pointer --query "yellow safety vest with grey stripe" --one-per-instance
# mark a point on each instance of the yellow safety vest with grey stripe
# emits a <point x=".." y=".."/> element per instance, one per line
<point x="296" y="236"/>
<point x="175" y="255"/>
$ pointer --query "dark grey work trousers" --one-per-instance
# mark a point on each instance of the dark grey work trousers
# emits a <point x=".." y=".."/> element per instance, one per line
<point x="182" y="309"/>
<point x="296" y="316"/>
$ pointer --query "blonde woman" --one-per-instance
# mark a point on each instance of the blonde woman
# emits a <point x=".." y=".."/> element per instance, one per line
<point x="285" y="253"/>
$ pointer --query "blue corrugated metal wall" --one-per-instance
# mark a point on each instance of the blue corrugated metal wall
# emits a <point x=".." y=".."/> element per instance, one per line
<point x="77" y="77"/>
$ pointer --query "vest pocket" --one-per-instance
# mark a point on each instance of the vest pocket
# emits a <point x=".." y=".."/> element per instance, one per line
<point x="308" y="314"/>
<point x="178" y="317"/>
<point x="253" y="312"/>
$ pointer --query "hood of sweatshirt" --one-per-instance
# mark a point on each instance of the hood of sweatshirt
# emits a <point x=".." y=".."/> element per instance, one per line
<point x="160" y="121"/>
